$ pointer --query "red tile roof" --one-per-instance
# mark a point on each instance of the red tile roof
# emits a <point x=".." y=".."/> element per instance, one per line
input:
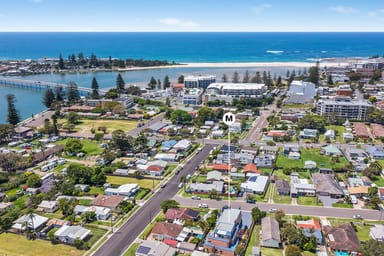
<point x="170" y="242"/>
<point x="184" y="213"/>
<point x="315" y="224"/>
<point x="155" y="168"/>
<point x="381" y="191"/>
<point x="251" y="168"/>
<point x="360" y="130"/>
<point x="108" y="201"/>
<point x="220" y="167"/>
<point x="277" y="133"/>
<point x="169" y="229"/>
<point x="343" y="238"/>
<point x="377" y="130"/>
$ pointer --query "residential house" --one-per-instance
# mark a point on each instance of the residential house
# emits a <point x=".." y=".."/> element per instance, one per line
<point x="377" y="131"/>
<point x="265" y="160"/>
<point x="102" y="213"/>
<point x="360" y="130"/>
<point x="220" y="167"/>
<point x="256" y="184"/>
<point x="36" y="222"/>
<point x="214" y="176"/>
<point x="342" y="239"/>
<point x="123" y="190"/>
<point x="235" y="128"/>
<point x="294" y="155"/>
<point x="165" y="230"/>
<point x="309" y="164"/>
<point x="68" y="234"/>
<point x="282" y="187"/>
<point x="301" y="92"/>
<point x="48" y="206"/>
<point x="182" y="145"/>
<point x="355" y="182"/>
<point x="209" y="123"/>
<point x="249" y="150"/>
<point x="380" y="191"/>
<point x="227" y="233"/>
<point x="375" y="152"/>
<point x="151" y="248"/>
<point x="359" y="191"/>
<point x="122" y="172"/>
<point x="276" y="134"/>
<point x="270" y="233"/>
<point x="217" y="133"/>
<point x="206" y="188"/>
<point x="347" y="136"/>
<point x="331" y="150"/>
<point x="167" y="157"/>
<point x="355" y="153"/>
<point x="327" y="185"/>
<point x="308" y="134"/>
<point x="156" y="167"/>
<point x="167" y="145"/>
<point x="377" y="232"/>
<point x="301" y="187"/>
<point x="5" y="206"/>
<point x="269" y="150"/>
<point x="110" y="202"/>
<point x="251" y="168"/>
<point x="311" y="228"/>
<point x="330" y="135"/>
<point x="82" y="187"/>
<point x="226" y="149"/>
<point x="287" y="148"/>
<point x="178" y="215"/>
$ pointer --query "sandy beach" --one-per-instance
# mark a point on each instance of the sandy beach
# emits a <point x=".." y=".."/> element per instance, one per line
<point x="335" y="63"/>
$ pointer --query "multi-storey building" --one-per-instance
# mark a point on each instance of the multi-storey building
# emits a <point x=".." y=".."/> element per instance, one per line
<point x="192" y="96"/>
<point x="343" y="108"/>
<point x="199" y="81"/>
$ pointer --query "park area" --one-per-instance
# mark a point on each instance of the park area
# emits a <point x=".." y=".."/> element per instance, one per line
<point x="12" y="245"/>
<point x="312" y="154"/>
<point x="143" y="183"/>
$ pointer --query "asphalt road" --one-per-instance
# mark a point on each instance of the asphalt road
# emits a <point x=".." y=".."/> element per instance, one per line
<point x="288" y="209"/>
<point x="137" y="130"/>
<point x="130" y="230"/>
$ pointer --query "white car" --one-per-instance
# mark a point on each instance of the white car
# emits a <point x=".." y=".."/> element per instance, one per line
<point x="272" y="210"/>
<point x="203" y="205"/>
<point x="195" y="197"/>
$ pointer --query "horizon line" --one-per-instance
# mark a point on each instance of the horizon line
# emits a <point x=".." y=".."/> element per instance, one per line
<point x="191" y="31"/>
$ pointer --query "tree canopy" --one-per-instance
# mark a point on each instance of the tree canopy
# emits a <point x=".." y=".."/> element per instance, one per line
<point x="181" y="117"/>
<point x="13" y="115"/>
<point x="167" y="204"/>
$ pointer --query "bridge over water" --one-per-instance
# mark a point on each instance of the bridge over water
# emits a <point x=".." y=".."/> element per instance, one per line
<point x="40" y="85"/>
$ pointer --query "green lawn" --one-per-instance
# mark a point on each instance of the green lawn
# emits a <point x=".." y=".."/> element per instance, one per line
<point x="90" y="147"/>
<point x="112" y="125"/>
<point x="12" y="245"/>
<point x="342" y="205"/>
<point x="271" y="252"/>
<point x="96" y="190"/>
<point x="339" y="130"/>
<point x="20" y="202"/>
<point x="97" y="233"/>
<point x="379" y="180"/>
<point x="85" y="202"/>
<point x="131" y="251"/>
<point x="306" y="200"/>
<point x="254" y="241"/>
<point x="281" y="176"/>
<point x="277" y="199"/>
<point x="310" y="154"/>
<point x="144" y="183"/>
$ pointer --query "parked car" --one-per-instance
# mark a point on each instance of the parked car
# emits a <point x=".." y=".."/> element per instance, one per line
<point x="358" y="216"/>
<point x="203" y="205"/>
<point x="180" y="185"/>
<point x="272" y="210"/>
<point x="196" y="198"/>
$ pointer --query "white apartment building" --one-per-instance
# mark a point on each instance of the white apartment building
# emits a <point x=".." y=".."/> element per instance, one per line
<point x="199" y="81"/>
<point x="343" y="108"/>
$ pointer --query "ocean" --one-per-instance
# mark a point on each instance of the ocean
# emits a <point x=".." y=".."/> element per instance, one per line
<point x="178" y="47"/>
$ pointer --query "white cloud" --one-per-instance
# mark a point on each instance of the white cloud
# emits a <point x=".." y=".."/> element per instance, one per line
<point x="261" y="8"/>
<point x="376" y="13"/>
<point x="342" y="9"/>
<point x="178" y="22"/>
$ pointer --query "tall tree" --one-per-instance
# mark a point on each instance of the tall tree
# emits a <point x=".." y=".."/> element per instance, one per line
<point x="95" y="89"/>
<point x="159" y="84"/>
<point x="246" y="77"/>
<point x="224" y="78"/>
<point x="13" y="115"/>
<point x="61" y="62"/>
<point x="180" y="79"/>
<point x="59" y="93"/>
<point x="235" y="77"/>
<point x="166" y="83"/>
<point x="49" y="98"/>
<point x="55" y="129"/>
<point x="152" y="83"/>
<point x="120" y="84"/>
<point x="73" y="94"/>
<point x="314" y="75"/>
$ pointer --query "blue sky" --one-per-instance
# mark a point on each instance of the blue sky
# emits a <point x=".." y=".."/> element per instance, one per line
<point x="191" y="15"/>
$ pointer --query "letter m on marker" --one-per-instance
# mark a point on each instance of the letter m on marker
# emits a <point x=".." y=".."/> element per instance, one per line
<point x="229" y="118"/>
